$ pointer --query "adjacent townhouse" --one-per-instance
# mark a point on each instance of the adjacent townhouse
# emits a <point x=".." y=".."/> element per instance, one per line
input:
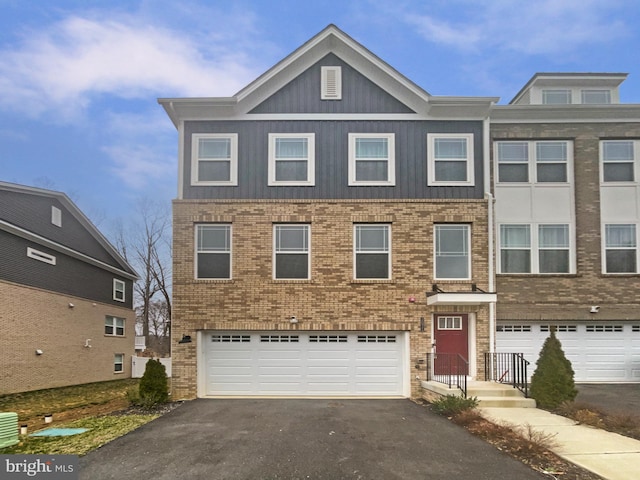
<point x="65" y="295"/>
<point x="332" y="227"/>
<point x="566" y="179"/>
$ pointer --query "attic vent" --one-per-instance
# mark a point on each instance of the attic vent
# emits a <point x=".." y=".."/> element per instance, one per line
<point x="331" y="79"/>
<point x="56" y="216"/>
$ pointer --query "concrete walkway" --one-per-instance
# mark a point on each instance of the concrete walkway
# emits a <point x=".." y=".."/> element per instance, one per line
<point x="612" y="456"/>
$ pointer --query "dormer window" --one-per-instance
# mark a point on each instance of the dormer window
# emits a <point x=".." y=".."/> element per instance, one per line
<point x="556" y="97"/>
<point x="331" y="83"/>
<point x="596" y="97"/>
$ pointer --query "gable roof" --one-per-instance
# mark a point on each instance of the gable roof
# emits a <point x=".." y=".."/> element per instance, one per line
<point x="119" y="265"/>
<point x="329" y="40"/>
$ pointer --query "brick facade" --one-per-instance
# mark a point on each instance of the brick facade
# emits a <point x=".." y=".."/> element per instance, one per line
<point x="331" y="299"/>
<point x="32" y="319"/>
<point x="568" y="297"/>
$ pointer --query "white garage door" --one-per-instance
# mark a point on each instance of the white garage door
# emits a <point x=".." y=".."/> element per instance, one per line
<point x="598" y="352"/>
<point x="303" y="363"/>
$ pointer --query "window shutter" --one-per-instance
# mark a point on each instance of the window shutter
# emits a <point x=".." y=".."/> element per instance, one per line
<point x="331" y="79"/>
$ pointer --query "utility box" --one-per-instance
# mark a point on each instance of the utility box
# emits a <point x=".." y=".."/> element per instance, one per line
<point x="8" y="429"/>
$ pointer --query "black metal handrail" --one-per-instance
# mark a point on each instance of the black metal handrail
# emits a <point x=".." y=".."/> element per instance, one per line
<point x="448" y="368"/>
<point x="507" y="368"/>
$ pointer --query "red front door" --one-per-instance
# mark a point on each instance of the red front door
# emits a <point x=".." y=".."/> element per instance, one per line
<point x="451" y="334"/>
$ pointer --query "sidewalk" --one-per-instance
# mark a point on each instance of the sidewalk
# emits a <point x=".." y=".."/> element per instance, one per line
<point x="612" y="456"/>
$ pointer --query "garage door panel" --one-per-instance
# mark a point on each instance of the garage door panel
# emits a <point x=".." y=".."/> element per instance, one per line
<point x="318" y="363"/>
<point x="598" y="352"/>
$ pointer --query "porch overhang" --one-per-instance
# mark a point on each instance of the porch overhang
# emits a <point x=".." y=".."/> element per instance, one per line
<point x="475" y="297"/>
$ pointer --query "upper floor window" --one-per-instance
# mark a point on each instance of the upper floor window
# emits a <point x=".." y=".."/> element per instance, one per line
<point x="618" y="160"/>
<point x="452" y="253"/>
<point x="213" y="251"/>
<point x="291" y="252"/>
<point x="291" y="159"/>
<point x="372" y="251"/>
<point x="214" y="159"/>
<point x="550" y="160"/>
<point x="372" y="159"/>
<point x="537" y="248"/>
<point x="118" y="290"/>
<point x="114" y="326"/>
<point x="556" y="97"/>
<point x="595" y="97"/>
<point x="621" y="248"/>
<point x="450" y="159"/>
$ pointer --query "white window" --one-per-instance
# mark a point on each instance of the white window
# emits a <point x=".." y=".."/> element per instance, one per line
<point x="372" y="159"/>
<point x="114" y="326"/>
<point x="213" y="251"/>
<point x="621" y="248"/>
<point x="449" y="323"/>
<point x="550" y="161"/>
<point x="452" y="253"/>
<point x="118" y="290"/>
<point x="291" y="159"/>
<point x="214" y="159"/>
<point x="56" y="216"/>
<point x="450" y="159"/>
<point x="596" y="97"/>
<point x="372" y="251"/>
<point x="331" y="80"/>
<point x="619" y="160"/>
<point x="118" y="363"/>
<point x="41" y="256"/>
<point x="537" y="248"/>
<point x="291" y="252"/>
<point x="556" y="97"/>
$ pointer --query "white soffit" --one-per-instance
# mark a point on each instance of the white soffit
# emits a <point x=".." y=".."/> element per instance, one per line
<point x="461" y="298"/>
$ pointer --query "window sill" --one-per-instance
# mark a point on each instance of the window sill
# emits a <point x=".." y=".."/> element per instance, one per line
<point x="372" y="280"/>
<point x="213" y="280"/>
<point x="292" y="280"/>
<point x="538" y="275"/>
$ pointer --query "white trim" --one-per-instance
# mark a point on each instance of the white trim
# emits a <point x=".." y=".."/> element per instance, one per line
<point x="311" y="157"/>
<point x="56" y="216"/>
<point x="233" y="158"/>
<point x="117" y="282"/>
<point x="467" y="227"/>
<point x="112" y="321"/>
<point x="391" y="159"/>
<point x="461" y="298"/>
<point x="378" y="252"/>
<point x="118" y="363"/>
<point x="635" y="163"/>
<point x="431" y="160"/>
<point x="532" y="162"/>
<point x="181" y="169"/>
<point x="604" y="248"/>
<point x="196" y="252"/>
<point x="41" y="256"/>
<point x="331" y="83"/>
<point x="308" y="250"/>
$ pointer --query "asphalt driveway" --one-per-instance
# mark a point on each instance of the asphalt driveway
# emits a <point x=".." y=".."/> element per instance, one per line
<point x="301" y="439"/>
<point x="620" y="398"/>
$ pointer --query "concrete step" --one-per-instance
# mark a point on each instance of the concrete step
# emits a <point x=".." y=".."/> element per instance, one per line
<point x="489" y="394"/>
<point x="506" y="402"/>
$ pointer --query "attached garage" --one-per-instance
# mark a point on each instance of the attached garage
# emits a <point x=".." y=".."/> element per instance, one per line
<point x="599" y="352"/>
<point x="340" y="364"/>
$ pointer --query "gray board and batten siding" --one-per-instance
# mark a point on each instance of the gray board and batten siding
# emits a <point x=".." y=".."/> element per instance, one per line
<point x="331" y="159"/>
<point x="69" y="275"/>
<point x="32" y="212"/>
<point x="359" y="94"/>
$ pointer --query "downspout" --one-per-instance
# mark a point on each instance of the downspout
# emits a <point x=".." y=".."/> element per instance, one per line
<point x="490" y="232"/>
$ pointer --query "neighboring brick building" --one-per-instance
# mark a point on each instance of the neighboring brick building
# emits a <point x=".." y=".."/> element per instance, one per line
<point x="316" y="209"/>
<point x="566" y="171"/>
<point x="65" y="295"/>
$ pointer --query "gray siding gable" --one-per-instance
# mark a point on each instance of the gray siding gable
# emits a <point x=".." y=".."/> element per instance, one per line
<point x="359" y="94"/>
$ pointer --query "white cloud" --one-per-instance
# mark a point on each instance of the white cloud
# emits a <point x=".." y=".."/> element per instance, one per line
<point x="64" y="66"/>
<point x="139" y="164"/>
<point x="542" y="27"/>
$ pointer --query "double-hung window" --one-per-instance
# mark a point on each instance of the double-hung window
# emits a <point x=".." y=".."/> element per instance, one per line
<point x="291" y="159"/>
<point x="114" y="326"/>
<point x="213" y="251"/>
<point x="596" y="97"/>
<point x="118" y="290"/>
<point x="450" y="159"/>
<point x="214" y="159"/>
<point x="621" y="244"/>
<point x="372" y="251"/>
<point x="618" y="160"/>
<point x="556" y="97"/>
<point x="545" y="161"/>
<point x="535" y="248"/>
<point x="291" y="252"/>
<point x="452" y="253"/>
<point x="372" y="159"/>
<point x="118" y="363"/>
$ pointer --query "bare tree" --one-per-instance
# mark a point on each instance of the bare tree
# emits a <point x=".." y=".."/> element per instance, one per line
<point x="145" y="242"/>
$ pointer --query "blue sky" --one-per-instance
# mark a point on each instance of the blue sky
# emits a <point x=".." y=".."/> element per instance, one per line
<point x="79" y="79"/>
